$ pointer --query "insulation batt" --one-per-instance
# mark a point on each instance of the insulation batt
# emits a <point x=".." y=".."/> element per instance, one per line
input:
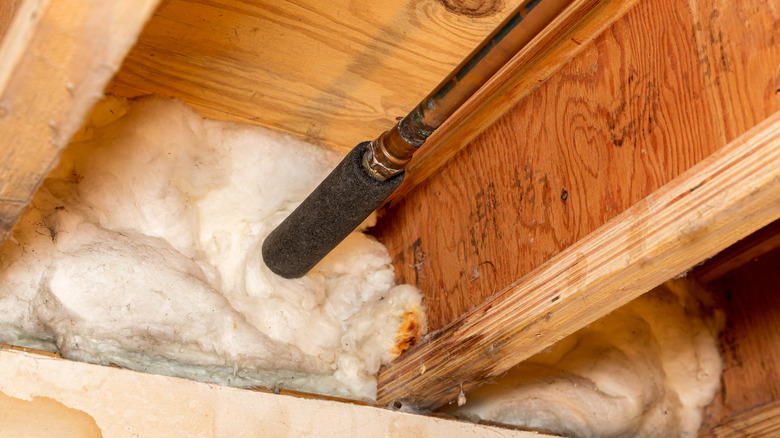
<point x="142" y="249"/>
<point x="646" y="370"/>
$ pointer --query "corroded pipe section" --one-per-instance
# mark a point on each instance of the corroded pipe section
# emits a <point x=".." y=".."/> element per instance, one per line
<point x="388" y="155"/>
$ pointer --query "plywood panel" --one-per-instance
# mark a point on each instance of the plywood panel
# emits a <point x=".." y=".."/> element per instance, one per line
<point x="751" y="339"/>
<point x="725" y="197"/>
<point x="645" y="101"/>
<point x="338" y="72"/>
<point x="565" y="37"/>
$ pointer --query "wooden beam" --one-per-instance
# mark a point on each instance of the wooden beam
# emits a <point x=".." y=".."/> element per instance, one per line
<point x="744" y="251"/>
<point x="763" y="421"/>
<point x="340" y="72"/>
<point x="336" y="72"/>
<point x="55" y="60"/>
<point x="722" y="199"/>
<point x="664" y="87"/>
<point x="577" y="26"/>
<point x="39" y="395"/>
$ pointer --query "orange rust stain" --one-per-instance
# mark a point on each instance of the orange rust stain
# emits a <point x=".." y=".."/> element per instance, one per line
<point x="408" y="334"/>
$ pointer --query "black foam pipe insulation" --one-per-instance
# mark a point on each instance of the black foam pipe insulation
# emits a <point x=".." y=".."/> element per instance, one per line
<point x="333" y="210"/>
<point x="349" y="194"/>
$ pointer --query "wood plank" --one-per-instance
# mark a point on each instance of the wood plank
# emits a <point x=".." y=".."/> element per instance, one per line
<point x="724" y="198"/>
<point x="750" y="341"/>
<point x="7" y="11"/>
<point x="763" y="421"/>
<point x="737" y="255"/>
<point x="39" y="394"/>
<point x="336" y="72"/>
<point x="55" y="61"/>
<point x="577" y="26"/>
<point x="638" y="106"/>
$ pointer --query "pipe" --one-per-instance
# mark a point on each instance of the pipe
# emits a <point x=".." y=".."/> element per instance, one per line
<point x="344" y="199"/>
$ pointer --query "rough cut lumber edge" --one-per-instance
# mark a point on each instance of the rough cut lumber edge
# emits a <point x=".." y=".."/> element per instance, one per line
<point x="55" y="61"/>
<point x="763" y="421"/>
<point x="558" y="43"/>
<point x="121" y="403"/>
<point x="724" y="198"/>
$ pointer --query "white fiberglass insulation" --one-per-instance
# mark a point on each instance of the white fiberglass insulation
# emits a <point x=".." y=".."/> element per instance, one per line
<point x="142" y="249"/>
<point x="646" y="370"/>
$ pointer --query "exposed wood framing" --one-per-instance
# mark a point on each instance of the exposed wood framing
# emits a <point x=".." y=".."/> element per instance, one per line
<point x="722" y="199"/>
<point x="7" y="11"/>
<point x="763" y="421"/>
<point x="745" y="251"/>
<point x="577" y="26"/>
<point x="336" y="72"/>
<point x="750" y="341"/>
<point x="55" y="60"/>
<point x="668" y="84"/>
<point x="40" y="395"/>
<point x="340" y="72"/>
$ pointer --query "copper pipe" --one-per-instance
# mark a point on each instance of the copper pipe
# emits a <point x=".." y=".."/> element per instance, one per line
<point x="392" y="150"/>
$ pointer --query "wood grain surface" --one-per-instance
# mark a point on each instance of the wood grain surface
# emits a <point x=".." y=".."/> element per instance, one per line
<point x="55" y="60"/>
<point x="750" y="342"/>
<point x="724" y="198"/>
<point x="7" y="11"/>
<point x="336" y="72"/>
<point x="739" y="254"/>
<point x="664" y="87"/>
<point x="763" y="421"/>
<point x="576" y="26"/>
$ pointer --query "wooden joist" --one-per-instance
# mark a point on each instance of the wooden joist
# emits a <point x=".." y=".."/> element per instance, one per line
<point x="55" y="60"/>
<point x="43" y="396"/>
<point x="335" y="72"/>
<point x="340" y="73"/>
<point x="724" y="198"/>
<point x="745" y="251"/>
<point x="665" y="86"/>
<point x="763" y="421"/>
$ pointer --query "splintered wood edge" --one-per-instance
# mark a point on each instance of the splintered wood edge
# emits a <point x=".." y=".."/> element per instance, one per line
<point x="556" y="45"/>
<point x="724" y="198"/>
<point x="55" y="61"/>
